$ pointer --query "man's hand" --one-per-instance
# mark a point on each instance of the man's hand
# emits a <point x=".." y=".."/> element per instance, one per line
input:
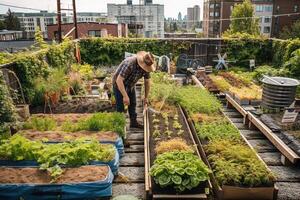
<point x="146" y="102"/>
<point x="126" y="100"/>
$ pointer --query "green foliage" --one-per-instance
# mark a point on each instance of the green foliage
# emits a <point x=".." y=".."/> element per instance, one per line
<point x="54" y="83"/>
<point x="61" y="55"/>
<point x="179" y="169"/>
<point x="270" y="71"/>
<point x="28" y="68"/>
<point x="217" y="130"/>
<point x="242" y="47"/>
<point x="85" y="70"/>
<point x="41" y="124"/>
<point x="248" y="24"/>
<point x="7" y="108"/>
<point x="99" y="122"/>
<point x="11" y="21"/>
<point x="51" y="156"/>
<point x="110" y="51"/>
<point x="39" y="39"/>
<point x="291" y="32"/>
<point x="293" y="65"/>
<point x="236" y="164"/>
<point x="196" y="100"/>
<point x="6" y="57"/>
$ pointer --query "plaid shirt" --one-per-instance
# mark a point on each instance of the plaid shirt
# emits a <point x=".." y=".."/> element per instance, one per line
<point x="131" y="72"/>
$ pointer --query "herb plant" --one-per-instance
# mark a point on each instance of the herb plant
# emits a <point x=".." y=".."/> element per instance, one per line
<point x="176" y="144"/>
<point x="41" y="124"/>
<point x="180" y="170"/>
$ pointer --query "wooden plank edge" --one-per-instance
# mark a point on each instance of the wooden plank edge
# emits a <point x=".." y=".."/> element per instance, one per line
<point x="237" y="106"/>
<point x="197" y="82"/>
<point x="186" y="196"/>
<point x="146" y="152"/>
<point x="274" y="139"/>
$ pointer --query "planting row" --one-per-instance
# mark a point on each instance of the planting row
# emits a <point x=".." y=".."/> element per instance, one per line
<point x="232" y="162"/>
<point x="78" y="150"/>
<point x="175" y="166"/>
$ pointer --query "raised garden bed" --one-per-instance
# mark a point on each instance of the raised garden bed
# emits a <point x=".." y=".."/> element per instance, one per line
<point x="227" y="191"/>
<point x="159" y="128"/>
<point x="74" y="183"/>
<point x="19" y="151"/>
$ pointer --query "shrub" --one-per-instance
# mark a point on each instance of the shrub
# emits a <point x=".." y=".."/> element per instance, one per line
<point x="7" y="108"/>
<point x="180" y="170"/>
<point x="293" y="65"/>
<point x="110" y="51"/>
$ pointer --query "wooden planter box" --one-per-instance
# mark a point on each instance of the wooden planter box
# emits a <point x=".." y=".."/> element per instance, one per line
<point x="153" y="190"/>
<point x="233" y="192"/>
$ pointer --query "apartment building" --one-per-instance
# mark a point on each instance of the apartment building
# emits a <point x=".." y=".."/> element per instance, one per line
<point x="145" y="19"/>
<point x="30" y="21"/>
<point x="193" y="17"/>
<point x="217" y="13"/>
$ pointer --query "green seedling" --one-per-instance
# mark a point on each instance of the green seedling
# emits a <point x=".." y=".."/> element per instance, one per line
<point x="177" y="125"/>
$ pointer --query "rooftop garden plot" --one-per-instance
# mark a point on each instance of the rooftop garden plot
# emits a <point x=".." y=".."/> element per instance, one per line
<point x="51" y="157"/>
<point x="232" y="161"/>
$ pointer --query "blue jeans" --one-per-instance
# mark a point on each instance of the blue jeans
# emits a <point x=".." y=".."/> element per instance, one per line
<point x="120" y="104"/>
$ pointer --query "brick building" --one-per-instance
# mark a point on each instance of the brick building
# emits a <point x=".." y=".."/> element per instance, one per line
<point x="215" y="10"/>
<point x="90" y="29"/>
<point x="284" y="7"/>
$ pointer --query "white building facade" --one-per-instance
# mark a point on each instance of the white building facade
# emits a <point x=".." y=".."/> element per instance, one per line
<point x="264" y="11"/>
<point x="30" y="21"/>
<point x="146" y="19"/>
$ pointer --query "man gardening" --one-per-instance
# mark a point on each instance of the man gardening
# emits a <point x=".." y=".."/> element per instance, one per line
<point x="126" y="76"/>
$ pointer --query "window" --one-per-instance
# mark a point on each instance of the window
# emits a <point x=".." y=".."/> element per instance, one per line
<point x="211" y="5"/>
<point x="296" y="8"/>
<point x="260" y="19"/>
<point x="259" y="8"/>
<point x="96" y="33"/>
<point x="217" y="14"/>
<point x="267" y="19"/>
<point x="211" y="14"/>
<point x="268" y="8"/>
<point x="267" y="29"/>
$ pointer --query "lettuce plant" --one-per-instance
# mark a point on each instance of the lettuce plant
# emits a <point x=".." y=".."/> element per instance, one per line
<point x="179" y="169"/>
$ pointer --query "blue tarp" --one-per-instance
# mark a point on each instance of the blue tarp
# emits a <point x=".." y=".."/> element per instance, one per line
<point x="113" y="164"/>
<point x="85" y="190"/>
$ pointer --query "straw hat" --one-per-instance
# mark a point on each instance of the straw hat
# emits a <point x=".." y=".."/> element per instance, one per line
<point x="146" y="61"/>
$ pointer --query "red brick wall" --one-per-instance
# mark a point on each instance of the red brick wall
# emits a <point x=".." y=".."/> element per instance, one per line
<point x="84" y="28"/>
<point x="285" y="7"/>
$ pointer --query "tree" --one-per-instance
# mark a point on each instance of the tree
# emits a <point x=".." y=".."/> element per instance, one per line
<point x="11" y="21"/>
<point x="2" y="25"/>
<point x="245" y="21"/>
<point x="291" y="32"/>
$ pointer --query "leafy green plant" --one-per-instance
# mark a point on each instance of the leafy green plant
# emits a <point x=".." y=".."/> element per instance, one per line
<point x="85" y="70"/>
<point x="177" y="125"/>
<point x="217" y="130"/>
<point x="40" y="124"/>
<point x="180" y="170"/>
<point x="51" y="156"/>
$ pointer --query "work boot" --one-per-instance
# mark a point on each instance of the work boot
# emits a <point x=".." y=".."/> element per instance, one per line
<point x="135" y="124"/>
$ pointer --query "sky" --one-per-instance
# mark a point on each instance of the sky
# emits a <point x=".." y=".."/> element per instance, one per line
<point x="172" y="7"/>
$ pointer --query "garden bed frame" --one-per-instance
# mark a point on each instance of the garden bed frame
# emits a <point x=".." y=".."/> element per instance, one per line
<point x="254" y="123"/>
<point x="148" y="179"/>
<point x="233" y="192"/>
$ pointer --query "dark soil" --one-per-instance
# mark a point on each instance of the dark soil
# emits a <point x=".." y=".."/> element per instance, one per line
<point x="60" y="136"/>
<point x="154" y="141"/>
<point x="76" y="106"/>
<point x="232" y="80"/>
<point x="10" y="175"/>
<point x="207" y="82"/>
